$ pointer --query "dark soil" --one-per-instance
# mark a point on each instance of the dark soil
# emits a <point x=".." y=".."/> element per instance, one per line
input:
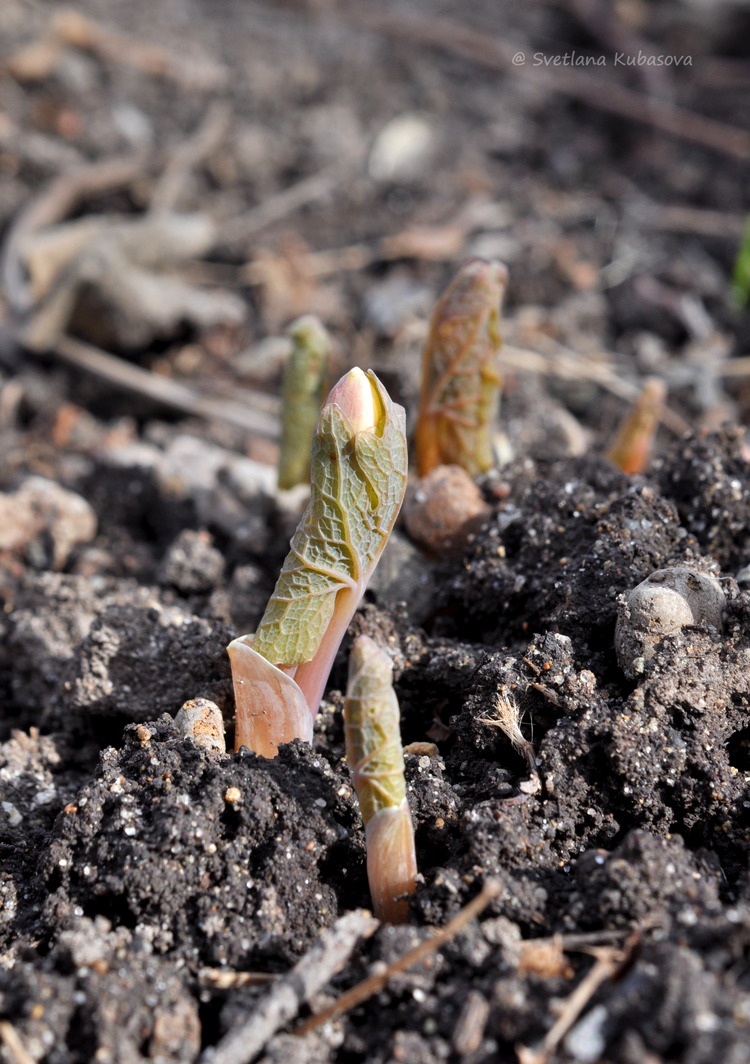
<point x="134" y="864"/>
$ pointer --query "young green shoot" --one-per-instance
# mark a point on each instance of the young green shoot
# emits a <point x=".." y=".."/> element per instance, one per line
<point x="460" y="373"/>
<point x="301" y="398"/>
<point x="358" y="477"/>
<point x="375" y="756"/>
<point x="741" y="274"/>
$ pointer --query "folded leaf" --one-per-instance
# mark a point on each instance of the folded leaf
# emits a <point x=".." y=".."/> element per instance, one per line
<point x="357" y="486"/>
<point x="631" y="448"/>
<point x="271" y="709"/>
<point x="460" y="373"/>
<point x="358" y="473"/>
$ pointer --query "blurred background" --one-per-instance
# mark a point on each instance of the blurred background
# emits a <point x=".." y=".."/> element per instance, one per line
<point x="180" y="180"/>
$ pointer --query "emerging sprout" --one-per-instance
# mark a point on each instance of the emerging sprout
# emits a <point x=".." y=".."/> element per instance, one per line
<point x="373" y="750"/>
<point x="631" y="448"/>
<point x="301" y="398"/>
<point x="201" y="720"/>
<point x="358" y="480"/>
<point x="460" y="374"/>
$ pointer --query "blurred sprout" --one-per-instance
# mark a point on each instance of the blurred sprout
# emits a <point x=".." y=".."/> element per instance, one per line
<point x="460" y="373"/>
<point x="741" y="276"/>
<point x="301" y="398"/>
<point x="631" y="448"/>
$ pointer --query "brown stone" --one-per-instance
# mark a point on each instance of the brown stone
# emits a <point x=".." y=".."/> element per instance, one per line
<point x="444" y="510"/>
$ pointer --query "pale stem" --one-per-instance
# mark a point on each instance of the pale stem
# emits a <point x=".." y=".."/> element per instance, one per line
<point x="391" y="863"/>
<point x="312" y="676"/>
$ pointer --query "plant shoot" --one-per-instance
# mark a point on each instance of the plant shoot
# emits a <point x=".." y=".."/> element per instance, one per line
<point x="376" y="759"/>
<point x="631" y="448"/>
<point x="358" y="477"/>
<point x="460" y="372"/>
<point x="301" y="398"/>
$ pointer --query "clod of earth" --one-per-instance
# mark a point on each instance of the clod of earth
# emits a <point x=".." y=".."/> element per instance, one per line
<point x="119" y="266"/>
<point x="43" y="519"/>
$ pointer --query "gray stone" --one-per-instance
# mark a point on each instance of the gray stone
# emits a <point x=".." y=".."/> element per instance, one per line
<point x="663" y="603"/>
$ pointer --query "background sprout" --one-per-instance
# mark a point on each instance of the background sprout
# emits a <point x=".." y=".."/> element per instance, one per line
<point x="631" y="448"/>
<point x="460" y="374"/>
<point x="358" y="480"/>
<point x="374" y="753"/>
<point x="741" y="274"/>
<point x="302" y="395"/>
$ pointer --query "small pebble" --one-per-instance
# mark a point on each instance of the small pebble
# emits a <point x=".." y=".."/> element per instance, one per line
<point x="665" y="602"/>
<point x="14" y="817"/>
<point x="444" y="510"/>
<point x="201" y="720"/>
<point x="586" y="1042"/>
<point x="402" y="149"/>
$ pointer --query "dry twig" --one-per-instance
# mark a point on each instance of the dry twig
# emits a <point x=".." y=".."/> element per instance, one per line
<point x="58" y="200"/>
<point x="583" y="941"/>
<point x="734" y="367"/>
<point x="114" y="46"/>
<point x="605" y="24"/>
<point x="566" y="364"/>
<point x="424" y="243"/>
<point x="162" y="390"/>
<point x="375" y="983"/>
<point x="609" y="962"/>
<point x="45" y="327"/>
<point x="188" y="156"/>
<point x="221" y="979"/>
<point x="682" y="218"/>
<point x="279" y="206"/>
<point x="327" y="956"/>
<point x="10" y="1038"/>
